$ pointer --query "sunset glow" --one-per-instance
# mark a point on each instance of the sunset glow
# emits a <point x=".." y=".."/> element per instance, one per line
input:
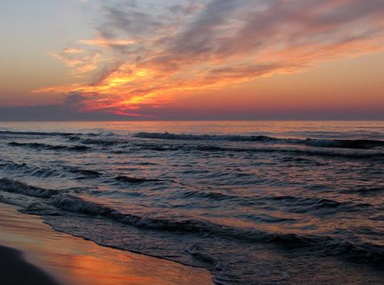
<point x="145" y="57"/>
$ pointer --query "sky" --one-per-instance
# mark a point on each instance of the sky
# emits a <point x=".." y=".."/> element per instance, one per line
<point x="192" y="60"/>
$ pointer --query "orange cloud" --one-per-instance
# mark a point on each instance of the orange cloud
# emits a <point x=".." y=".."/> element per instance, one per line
<point x="106" y="42"/>
<point x="143" y="58"/>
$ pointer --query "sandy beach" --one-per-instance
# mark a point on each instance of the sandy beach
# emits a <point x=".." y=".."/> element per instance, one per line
<point x="33" y="253"/>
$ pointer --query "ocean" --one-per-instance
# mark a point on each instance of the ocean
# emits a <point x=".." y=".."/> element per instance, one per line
<point x="254" y="202"/>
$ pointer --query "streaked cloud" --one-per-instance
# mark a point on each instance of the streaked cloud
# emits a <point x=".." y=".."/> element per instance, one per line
<point x="148" y="53"/>
<point x="80" y="61"/>
<point x="106" y="43"/>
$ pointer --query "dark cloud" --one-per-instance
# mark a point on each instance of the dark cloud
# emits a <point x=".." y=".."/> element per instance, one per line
<point x="130" y="22"/>
<point x="247" y="27"/>
<point x="67" y="109"/>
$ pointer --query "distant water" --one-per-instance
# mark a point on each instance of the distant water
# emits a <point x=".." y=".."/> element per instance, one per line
<point x="253" y="202"/>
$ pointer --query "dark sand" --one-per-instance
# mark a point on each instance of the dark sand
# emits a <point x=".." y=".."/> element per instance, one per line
<point x="75" y="261"/>
<point x="14" y="270"/>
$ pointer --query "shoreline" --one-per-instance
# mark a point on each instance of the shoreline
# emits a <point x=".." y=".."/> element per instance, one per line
<point x="46" y="255"/>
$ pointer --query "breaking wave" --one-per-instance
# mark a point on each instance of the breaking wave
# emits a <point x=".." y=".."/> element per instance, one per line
<point x="42" y="146"/>
<point x="354" y="144"/>
<point x="237" y="201"/>
<point x="359" y="252"/>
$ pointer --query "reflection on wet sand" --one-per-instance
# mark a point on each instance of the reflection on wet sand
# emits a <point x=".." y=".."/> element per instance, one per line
<point x="79" y="262"/>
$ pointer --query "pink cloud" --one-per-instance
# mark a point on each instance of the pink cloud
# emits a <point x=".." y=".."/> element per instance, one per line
<point x="143" y="56"/>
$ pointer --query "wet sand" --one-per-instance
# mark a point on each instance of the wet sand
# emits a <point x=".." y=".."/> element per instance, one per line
<point x="33" y="253"/>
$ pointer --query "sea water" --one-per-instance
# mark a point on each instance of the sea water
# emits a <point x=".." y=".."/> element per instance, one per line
<point x="253" y="202"/>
